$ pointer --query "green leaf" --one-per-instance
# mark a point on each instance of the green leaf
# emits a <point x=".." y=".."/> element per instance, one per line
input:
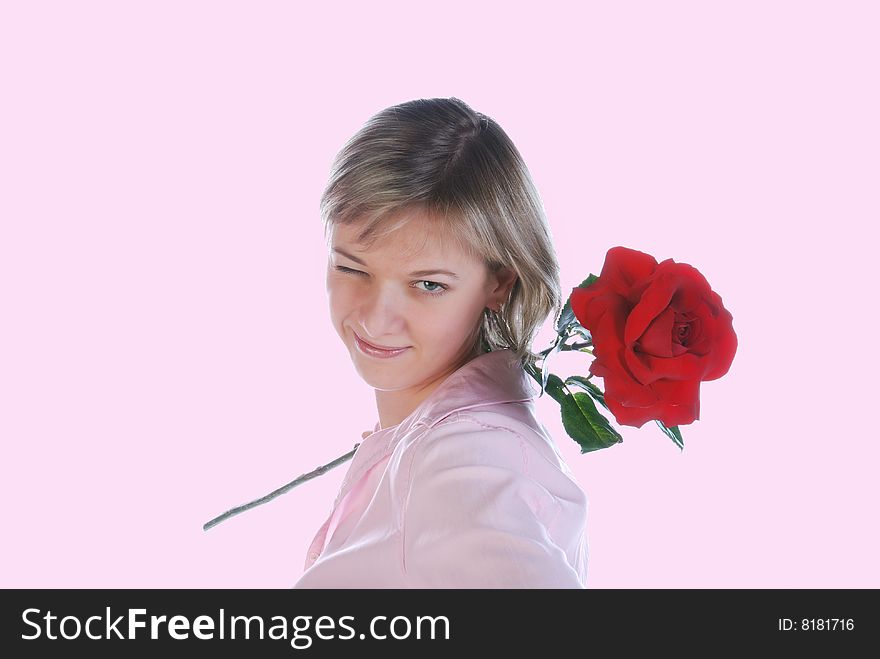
<point x="591" y="388"/>
<point x="557" y="346"/>
<point x="556" y="388"/>
<point x="673" y="433"/>
<point x="565" y="318"/>
<point x="577" y="328"/>
<point x="586" y="425"/>
<point x="552" y="385"/>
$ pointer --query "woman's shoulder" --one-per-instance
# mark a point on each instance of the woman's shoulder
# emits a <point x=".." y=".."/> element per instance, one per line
<point x="519" y="419"/>
<point x="462" y="439"/>
<point x="506" y="435"/>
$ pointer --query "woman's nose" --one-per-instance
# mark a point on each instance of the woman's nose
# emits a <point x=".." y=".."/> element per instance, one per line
<point x="382" y="312"/>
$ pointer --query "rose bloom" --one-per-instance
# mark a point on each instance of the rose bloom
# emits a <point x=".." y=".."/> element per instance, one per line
<point x="658" y="330"/>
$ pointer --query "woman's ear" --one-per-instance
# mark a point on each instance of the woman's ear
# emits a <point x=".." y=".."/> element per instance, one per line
<point x="502" y="282"/>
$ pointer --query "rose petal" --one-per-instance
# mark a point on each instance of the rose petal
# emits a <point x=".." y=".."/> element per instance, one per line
<point x="625" y="269"/>
<point x="665" y="410"/>
<point x="724" y="348"/>
<point x="657" y="339"/>
<point x="654" y="301"/>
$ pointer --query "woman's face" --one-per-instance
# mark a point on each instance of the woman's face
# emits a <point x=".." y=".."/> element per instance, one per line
<point x="393" y="296"/>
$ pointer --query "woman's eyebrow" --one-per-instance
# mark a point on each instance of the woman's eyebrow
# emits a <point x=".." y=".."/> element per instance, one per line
<point x="417" y="273"/>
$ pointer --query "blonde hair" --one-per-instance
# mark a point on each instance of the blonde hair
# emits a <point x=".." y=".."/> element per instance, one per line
<point x="458" y="166"/>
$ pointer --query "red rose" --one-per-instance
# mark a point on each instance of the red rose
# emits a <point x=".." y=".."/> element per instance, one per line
<point x="658" y="331"/>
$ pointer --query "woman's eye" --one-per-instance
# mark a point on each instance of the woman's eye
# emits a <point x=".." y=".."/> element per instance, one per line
<point x="435" y="292"/>
<point x="342" y="268"/>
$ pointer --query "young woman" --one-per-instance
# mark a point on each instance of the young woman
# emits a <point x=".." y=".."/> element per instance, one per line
<point x="441" y="270"/>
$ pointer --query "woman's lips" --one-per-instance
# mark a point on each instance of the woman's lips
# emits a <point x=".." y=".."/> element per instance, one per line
<point x="373" y="351"/>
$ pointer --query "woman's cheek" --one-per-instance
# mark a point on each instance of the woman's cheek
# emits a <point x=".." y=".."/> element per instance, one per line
<point x="449" y="317"/>
<point x="340" y="296"/>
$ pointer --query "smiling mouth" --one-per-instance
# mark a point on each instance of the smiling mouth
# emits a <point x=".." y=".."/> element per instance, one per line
<point x="374" y="348"/>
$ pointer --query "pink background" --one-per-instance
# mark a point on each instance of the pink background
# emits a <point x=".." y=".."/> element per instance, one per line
<point x="166" y="347"/>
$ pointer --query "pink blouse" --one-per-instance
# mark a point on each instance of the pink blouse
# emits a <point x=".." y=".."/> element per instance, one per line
<point x="469" y="491"/>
